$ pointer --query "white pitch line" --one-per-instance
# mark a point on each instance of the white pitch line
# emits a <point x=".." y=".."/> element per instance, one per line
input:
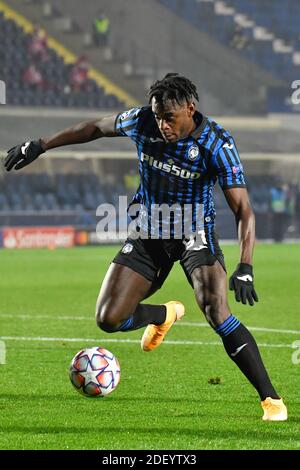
<point x="180" y="323"/>
<point x="254" y="328"/>
<point x="46" y="317"/>
<point x="135" y="341"/>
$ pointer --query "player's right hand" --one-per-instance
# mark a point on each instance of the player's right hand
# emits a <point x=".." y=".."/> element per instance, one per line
<point x="21" y="155"/>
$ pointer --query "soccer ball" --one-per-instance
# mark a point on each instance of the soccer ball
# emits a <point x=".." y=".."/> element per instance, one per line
<point x="94" y="372"/>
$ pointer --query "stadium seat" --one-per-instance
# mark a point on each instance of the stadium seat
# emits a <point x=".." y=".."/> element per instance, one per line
<point x="15" y="58"/>
<point x="280" y="20"/>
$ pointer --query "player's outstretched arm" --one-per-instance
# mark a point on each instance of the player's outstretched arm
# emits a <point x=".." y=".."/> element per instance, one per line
<point x="25" y="153"/>
<point x="241" y="281"/>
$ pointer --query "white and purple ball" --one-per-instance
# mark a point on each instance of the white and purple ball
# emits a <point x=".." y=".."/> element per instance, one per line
<point x="95" y="372"/>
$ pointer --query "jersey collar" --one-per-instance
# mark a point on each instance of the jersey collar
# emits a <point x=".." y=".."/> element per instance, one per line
<point x="201" y="122"/>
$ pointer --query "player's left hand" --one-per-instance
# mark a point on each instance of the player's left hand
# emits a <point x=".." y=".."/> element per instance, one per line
<point x="241" y="282"/>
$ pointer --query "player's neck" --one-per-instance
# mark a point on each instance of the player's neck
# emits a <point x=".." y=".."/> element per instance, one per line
<point x="191" y="129"/>
<point x="193" y="126"/>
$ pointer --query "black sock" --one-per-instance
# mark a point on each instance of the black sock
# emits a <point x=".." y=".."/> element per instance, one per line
<point x="143" y="315"/>
<point x="241" y="347"/>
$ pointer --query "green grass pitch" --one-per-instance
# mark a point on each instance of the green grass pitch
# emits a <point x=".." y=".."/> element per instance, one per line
<point x="164" y="400"/>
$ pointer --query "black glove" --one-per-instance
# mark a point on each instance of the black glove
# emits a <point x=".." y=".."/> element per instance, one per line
<point x="241" y="282"/>
<point x="21" y="155"/>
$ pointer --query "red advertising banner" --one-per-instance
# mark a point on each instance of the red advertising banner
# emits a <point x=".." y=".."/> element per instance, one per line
<point x="38" y="237"/>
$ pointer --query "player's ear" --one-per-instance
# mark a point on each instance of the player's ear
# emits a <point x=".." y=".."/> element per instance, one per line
<point x="191" y="109"/>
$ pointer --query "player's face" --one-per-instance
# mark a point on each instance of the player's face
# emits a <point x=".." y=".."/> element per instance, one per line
<point x="175" y="121"/>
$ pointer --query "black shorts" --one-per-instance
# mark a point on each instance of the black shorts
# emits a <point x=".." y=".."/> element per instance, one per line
<point x="154" y="259"/>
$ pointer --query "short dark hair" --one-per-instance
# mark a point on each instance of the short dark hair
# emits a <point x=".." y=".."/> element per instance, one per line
<point x="173" y="87"/>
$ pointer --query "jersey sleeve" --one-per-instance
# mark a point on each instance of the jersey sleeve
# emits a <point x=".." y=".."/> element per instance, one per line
<point x="127" y="122"/>
<point x="228" y="166"/>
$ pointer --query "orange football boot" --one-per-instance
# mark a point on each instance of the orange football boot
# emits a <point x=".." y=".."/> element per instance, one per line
<point x="155" y="334"/>
<point x="274" y="409"/>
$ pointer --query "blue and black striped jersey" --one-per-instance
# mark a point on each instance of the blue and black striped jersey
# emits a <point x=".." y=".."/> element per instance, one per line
<point x="184" y="172"/>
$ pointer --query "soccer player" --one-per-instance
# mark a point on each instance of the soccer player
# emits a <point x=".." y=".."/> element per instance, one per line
<point x="181" y="154"/>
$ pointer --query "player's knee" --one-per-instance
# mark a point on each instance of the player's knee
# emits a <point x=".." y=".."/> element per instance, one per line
<point x="216" y="313"/>
<point x="106" y="319"/>
<point x="107" y="326"/>
<point x="214" y="307"/>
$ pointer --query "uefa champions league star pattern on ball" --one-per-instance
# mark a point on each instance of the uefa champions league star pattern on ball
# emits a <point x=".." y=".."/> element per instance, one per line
<point x="95" y="372"/>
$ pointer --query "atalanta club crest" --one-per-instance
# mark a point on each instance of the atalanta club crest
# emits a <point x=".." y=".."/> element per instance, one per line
<point x="127" y="248"/>
<point x="193" y="152"/>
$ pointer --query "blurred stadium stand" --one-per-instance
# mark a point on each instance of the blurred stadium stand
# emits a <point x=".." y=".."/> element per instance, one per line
<point x="264" y="31"/>
<point x="64" y="196"/>
<point x="247" y="59"/>
<point x="154" y="40"/>
<point x="66" y="185"/>
<point x="52" y="86"/>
